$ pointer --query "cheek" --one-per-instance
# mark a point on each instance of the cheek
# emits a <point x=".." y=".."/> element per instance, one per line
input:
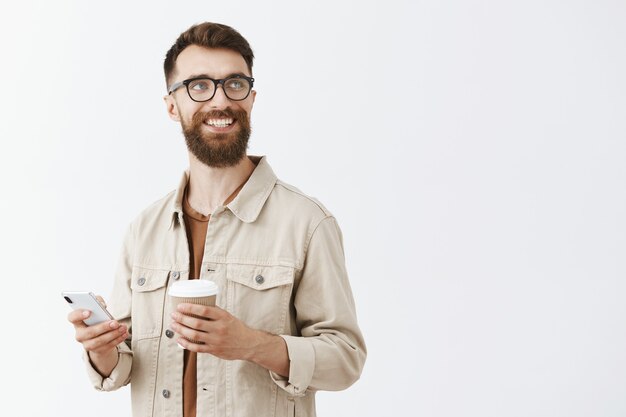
<point x="247" y="107"/>
<point x="187" y="113"/>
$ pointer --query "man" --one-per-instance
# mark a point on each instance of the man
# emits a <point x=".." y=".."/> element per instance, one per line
<point x="285" y="323"/>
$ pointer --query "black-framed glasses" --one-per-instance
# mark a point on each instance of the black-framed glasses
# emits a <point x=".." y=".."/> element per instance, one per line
<point x="236" y="87"/>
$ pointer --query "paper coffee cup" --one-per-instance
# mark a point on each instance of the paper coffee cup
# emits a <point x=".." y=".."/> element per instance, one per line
<point x="194" y="291"/>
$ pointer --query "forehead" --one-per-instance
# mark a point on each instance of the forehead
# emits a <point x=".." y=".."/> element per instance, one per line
<point x="214" y="62"/>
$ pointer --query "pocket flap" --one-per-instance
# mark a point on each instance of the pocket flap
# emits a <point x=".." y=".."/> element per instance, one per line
<point x="260" y="277"/>
<point x="144" y="280"/>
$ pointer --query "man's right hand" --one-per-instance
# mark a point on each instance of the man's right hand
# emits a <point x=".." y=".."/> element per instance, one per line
<point x="99" y="340"/>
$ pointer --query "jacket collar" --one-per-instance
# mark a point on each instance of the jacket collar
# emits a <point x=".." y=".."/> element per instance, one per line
<point x="249" y="202"/>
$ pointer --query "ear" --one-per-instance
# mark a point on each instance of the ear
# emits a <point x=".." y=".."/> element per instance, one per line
<point x="253" y="94"/>
<point x="171" y="107"/>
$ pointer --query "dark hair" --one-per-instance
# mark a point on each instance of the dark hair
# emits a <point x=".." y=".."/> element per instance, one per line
<point x="209" y="35"/>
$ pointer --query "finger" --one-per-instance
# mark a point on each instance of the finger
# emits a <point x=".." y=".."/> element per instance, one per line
<point x="91" y="332"/>
<point x="101" y="301"/>
<point x="108" y="346"/>
<point x="209" y="312"/>
<point x="189" y="334"/>
<point x="76" y="317"/>
<point x="191" y="322"/>
<point x="194" y="347"/>
<point x="105" y="340"/>
<point x="112" y="344"/>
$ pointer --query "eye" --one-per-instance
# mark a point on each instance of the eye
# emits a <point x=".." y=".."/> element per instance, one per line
<point x="236" y="84"/>
<point x="199" y="85"/>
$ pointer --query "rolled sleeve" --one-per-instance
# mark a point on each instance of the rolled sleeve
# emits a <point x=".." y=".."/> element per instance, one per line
<point x="328" y="352"/>
<point x="120" y="375"/>
<point x="302" y="366"/>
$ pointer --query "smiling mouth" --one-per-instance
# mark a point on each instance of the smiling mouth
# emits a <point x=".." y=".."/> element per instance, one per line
<point x="219" y="122"/>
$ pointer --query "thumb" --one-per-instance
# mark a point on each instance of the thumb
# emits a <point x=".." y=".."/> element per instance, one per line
<point x="101" y="301"/>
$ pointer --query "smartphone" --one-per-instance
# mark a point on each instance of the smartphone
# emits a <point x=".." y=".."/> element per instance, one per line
<point x="87" y="301"/>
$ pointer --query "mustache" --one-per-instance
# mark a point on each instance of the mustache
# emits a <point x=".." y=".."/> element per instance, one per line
<point x="201" y="117"/>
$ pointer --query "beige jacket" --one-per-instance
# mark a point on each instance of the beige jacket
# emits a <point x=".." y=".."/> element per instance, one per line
<point x="278" y="259"/>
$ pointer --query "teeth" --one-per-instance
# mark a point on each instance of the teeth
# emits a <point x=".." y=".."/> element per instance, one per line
<point x="219" y="122"/>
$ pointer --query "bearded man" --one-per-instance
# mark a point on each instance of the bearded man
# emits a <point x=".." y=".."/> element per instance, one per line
<point x="284" y="325"/>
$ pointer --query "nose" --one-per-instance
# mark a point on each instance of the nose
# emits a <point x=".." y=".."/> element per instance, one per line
<point x="219" y="100"/>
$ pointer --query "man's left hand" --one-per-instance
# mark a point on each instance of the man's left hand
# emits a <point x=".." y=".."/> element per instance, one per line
<point x="218" y="332"/>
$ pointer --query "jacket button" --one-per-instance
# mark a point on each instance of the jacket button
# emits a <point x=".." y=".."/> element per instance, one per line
<point x="175" y="275"/>
<point x="141" y="281"/>
<point x="166" y="393"/>
<point x="169" y="333"/>
<point x="259" y="279"/>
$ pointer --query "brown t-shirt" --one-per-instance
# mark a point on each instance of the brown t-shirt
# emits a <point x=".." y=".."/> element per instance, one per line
<point x="196" y="226"/>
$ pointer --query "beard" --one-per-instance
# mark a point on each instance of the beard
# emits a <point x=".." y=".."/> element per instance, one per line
<point x="217" y="150"/>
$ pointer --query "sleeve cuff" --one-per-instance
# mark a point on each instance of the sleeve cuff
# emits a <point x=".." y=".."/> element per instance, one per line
<point x="301" y="366"/>
<point x="120" y="375"/>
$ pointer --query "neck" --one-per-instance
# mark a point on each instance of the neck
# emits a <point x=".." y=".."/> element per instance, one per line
<point x="209" y="187"/>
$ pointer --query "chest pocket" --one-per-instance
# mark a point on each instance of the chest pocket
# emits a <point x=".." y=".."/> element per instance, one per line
<point x="149" y="288"/>
<point x="260" y="295"/>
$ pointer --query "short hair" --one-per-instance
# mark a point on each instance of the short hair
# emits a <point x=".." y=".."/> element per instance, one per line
<point x="209" y="35"/>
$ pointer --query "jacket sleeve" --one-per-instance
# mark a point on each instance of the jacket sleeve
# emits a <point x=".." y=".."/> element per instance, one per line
<point x="119" y="305"/>
<point x="329" y="352"/>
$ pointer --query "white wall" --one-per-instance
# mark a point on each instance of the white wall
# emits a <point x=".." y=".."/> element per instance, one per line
<point x="472" y="151"/>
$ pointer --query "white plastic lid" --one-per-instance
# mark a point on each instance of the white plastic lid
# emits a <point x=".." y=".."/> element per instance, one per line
<point x="193" y="288"/>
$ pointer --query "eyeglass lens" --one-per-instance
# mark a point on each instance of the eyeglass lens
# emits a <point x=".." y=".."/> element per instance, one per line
<point x="204" y="89"/>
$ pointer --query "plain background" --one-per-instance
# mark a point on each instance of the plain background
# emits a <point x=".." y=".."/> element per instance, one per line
<point x="472" y="151"/>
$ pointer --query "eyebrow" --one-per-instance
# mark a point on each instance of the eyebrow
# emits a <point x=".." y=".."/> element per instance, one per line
<point x="208" y="76"/>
